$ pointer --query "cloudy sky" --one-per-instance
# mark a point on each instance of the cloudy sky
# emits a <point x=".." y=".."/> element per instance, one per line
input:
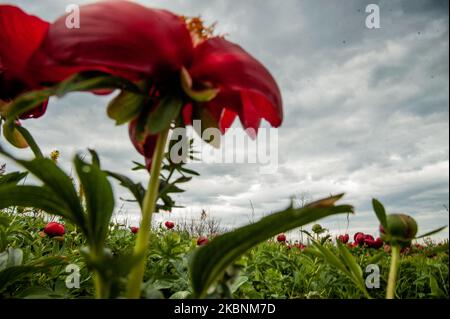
<point x="366" y="110"/>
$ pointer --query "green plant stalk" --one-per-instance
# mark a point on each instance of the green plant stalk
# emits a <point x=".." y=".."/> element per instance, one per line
<point x="148" y="207"/>
<point x="101" y="289"/>
<point x="395" y="262"/>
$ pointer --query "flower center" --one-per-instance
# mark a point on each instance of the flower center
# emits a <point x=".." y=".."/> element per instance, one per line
<point x="199" y="31"/>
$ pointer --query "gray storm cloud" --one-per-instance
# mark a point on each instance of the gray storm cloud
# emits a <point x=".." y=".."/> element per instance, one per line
<point x="366" y="110"/>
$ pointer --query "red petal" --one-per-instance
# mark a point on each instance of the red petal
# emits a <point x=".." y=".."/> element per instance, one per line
<point x="226" y="120"/>
<point x="145" y="147"/>
<point x="227" y="66"/>
<point x="121" y="36"/>
<point x="36" y="112"/>
<point x="187" y="114"/>
<point x="20" y="35"/>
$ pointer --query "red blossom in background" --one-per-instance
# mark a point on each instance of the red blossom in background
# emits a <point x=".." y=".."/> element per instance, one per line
<point x="281" y="238"/>
<point x="54" y="229"/>
<point x="344" y="238"/>
<point x="378" y="243"/>
<point x="169" y="224"/>
<point x="134" y="230"/>
<point x="202" y="240"/>
<point x="359" y="238"/>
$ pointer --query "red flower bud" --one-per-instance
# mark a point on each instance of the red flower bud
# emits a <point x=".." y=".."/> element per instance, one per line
<point x="344" y="238"/>
<point x="281" y="238"/>
<point x="134" y="230"/>
<point x="359" y="238"/>
<point x="378" y="243"/>
<point x="169" y="225"/>
<point x="54" y="229"/>
<point x="202" y="240"/>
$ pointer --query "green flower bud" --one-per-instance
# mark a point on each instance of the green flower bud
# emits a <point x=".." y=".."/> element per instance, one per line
<point x="401" y="228"/>
<point x="317" y="229"/>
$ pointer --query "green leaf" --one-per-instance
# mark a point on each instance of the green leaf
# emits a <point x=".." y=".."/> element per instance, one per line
<point x="26" y="102"/>
<point x="95" y="158"/>
<point x="4" y="221"/>
<point x="12" y="178"/>
<point x="331" y="258"/>
<point x="165" y="112"/>
<point x="99" y="200"/>
<point x="187" y="171"/>
<point x="209" y="262"/>
<point x="136" y="189"/>
<point x="13" y="274"/>
<point x="435" y="290"/>
<point x="181" y="295"/>
<point x="30" y="141"/>
<point x="125" y="107"/>
<point x="88" y="81"/>
<point x="432" y="232"/>
<point x="40" y="197"/>
<point x="380" y="212"/>
<point x="353" y="266"/>
<point x="58" y="182"/>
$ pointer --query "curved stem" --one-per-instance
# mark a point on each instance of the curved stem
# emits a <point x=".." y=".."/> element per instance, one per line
<point x="395" y="262"/>
<point x="148" y="207"/>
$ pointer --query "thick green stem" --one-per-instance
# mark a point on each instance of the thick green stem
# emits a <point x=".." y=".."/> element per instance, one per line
<point x="148" y="207"/>
<point x="101" y="289"/>
<point x="392" y="280"/>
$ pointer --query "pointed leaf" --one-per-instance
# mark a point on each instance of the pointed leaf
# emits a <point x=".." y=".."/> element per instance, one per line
<point x="99" y="200"/>
<point x="30" y="141"/>
<point x="162" y="116"/>
<point x="209" y="262"/>
<point x="39" y="197"/>
<point x="136" y="189"/>
<point x="125" y="107"/>
<point x="56" y="180"/>
<point x="12" y="178"/>
<point x="432" y="232"/>
<point x="380" y="212"/>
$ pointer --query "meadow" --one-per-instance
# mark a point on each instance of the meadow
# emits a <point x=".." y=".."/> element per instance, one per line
<point x="34" y="265"/>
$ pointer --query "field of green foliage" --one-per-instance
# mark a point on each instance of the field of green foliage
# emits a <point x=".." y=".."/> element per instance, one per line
<point x="35" y="265"/>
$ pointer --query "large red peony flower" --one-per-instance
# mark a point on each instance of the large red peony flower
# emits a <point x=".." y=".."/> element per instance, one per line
<point x="120" y="37"/>
<point x="174" y="57"/>
<point x="20" y="36"/>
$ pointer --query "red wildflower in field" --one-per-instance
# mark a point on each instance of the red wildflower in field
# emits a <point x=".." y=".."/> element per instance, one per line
<point x="378" y="243"/>
<point x="54" y="229"/>
<point x="281" y="238"/>
<point x="169" y="224"/>
<point x="359" y="238"/>
<point x="202" y="240"/>
<point x="344" y="238"/>
<point x="134" y="230"/>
